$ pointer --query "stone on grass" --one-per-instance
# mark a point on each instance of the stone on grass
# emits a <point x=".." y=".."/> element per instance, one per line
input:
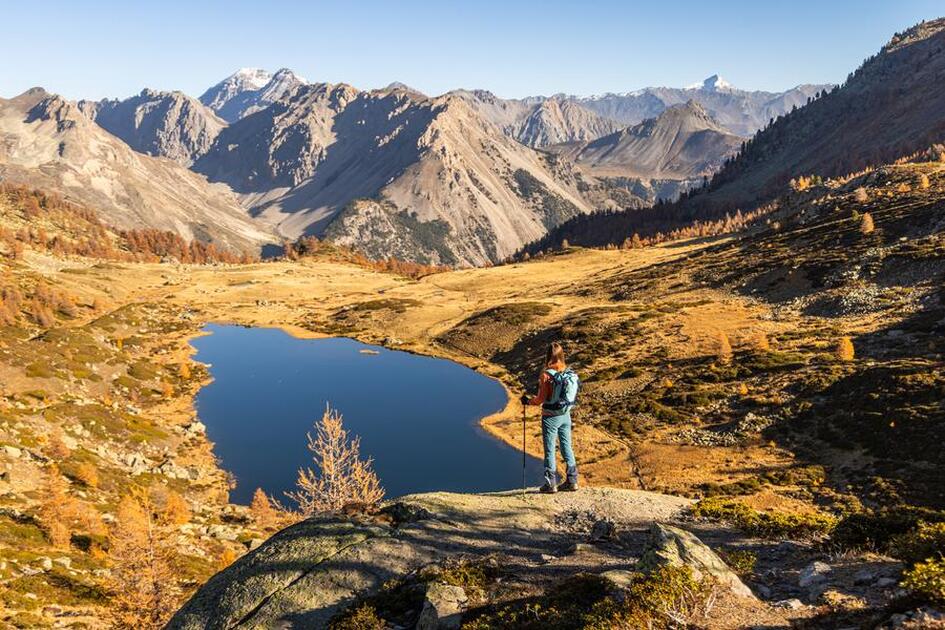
<point x="672" y="546"/>
<point x="443" y="607"/>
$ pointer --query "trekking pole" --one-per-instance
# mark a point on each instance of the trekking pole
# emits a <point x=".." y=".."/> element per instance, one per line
<point x="524" y="412"/>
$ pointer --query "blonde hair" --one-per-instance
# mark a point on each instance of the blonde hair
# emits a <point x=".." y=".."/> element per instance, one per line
<point x="555" y="354"/>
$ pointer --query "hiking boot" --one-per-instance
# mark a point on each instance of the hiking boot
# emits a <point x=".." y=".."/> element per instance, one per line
<point x="547" y="489"/>
<point x="568" y="486"/>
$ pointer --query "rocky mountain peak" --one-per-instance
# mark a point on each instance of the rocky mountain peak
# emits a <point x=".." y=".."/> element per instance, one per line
<point x="715" y="83"/>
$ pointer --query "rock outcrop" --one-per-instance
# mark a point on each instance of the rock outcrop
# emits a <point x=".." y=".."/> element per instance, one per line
<point x="673" y="546"/>
<point x="310" y="571"/>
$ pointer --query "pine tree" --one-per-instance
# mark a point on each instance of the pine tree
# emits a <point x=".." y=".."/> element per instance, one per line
<point x="866" y="224"/>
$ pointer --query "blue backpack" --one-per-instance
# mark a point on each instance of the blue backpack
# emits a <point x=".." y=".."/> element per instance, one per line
<point x="564" y="390"/>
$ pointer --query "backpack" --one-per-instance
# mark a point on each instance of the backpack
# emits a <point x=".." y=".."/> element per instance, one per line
<point x="564" y="390"/>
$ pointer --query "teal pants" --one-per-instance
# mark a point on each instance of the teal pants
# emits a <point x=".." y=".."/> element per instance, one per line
<point x="558" y="428"/>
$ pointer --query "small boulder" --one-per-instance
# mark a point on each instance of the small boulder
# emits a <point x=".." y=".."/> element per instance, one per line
<point x="620" y="578"/>
<point x="603" y="530"/>
<point x="813" y="574"/>
<point x="443" y="607"/>
<point x="672" y="546"/>
<point x="864" y="576"/>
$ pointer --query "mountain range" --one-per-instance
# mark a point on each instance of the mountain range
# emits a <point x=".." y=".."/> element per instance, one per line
<point x="465" y="178"/>
<point x="889" y="108"/>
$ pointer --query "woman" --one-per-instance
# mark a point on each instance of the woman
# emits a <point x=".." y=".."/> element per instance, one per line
<point x="556" y="417"/>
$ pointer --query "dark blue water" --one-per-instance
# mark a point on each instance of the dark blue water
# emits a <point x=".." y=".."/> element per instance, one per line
<point x="416" y="416"/>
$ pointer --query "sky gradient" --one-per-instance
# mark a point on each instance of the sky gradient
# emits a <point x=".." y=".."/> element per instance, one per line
<point x="106" y="48"/>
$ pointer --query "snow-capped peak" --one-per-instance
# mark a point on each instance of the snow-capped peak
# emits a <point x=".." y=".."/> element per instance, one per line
<point x="252" y="78"/>
<point x="714" y="83"/>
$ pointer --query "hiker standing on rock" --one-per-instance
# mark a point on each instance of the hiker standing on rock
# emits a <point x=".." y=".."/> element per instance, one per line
<point x="557" y="393"/>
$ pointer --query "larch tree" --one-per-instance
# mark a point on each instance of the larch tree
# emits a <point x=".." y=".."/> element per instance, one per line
<point x="340" y="476"/>
<point x="145" y="591"/>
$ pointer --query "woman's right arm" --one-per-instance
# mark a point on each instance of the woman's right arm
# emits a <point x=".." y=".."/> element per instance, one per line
<point x="544" y="386"/>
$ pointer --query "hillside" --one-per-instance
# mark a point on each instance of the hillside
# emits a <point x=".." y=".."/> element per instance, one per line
<point x="47" y="142"/>
<point x="668" y="154"/>
<point x="864" y="122"/>
<point x="392" y="172"/>
<point x="165" y="124"/>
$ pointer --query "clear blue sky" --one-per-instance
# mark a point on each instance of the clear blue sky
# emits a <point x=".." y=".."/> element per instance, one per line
<point x="101" y="48"/>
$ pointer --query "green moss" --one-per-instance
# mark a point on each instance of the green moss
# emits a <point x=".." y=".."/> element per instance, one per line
<point x="741" y="561"/>
<point x="143" y="371"/>
<point x="40" y="369"/>
<point x="397" y="305"/>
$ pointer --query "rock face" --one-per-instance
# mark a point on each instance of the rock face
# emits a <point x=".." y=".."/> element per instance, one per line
<point x="673" y="546"/>
<point x="308" y="572"/>
<point x="48" y="143"/>
<point x="166" y="124"/>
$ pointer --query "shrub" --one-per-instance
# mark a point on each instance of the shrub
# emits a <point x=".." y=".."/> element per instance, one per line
<point x="342" y="477"/>
<point x="845" y="350"/>
<point x="667" y="598"/>
<point x="724" y="349"/>
<point x="56" y="447"/>
<point x="761" y="343"/>
<point x="87" y="475"/>
<point x="927" y="580"/>
<point x="363" y="617"/>
<point x="925" y="542"/>
<point x="765" y="524"/>
<point x="876" y="529"/>
<point x="860" y="195"/>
